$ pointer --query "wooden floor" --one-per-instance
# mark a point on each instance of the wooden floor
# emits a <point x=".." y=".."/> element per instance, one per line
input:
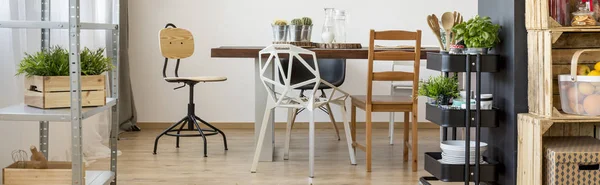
<point x="186" y="165"/>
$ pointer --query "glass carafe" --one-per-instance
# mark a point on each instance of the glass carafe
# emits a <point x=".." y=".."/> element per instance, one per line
<point x="328" y="32"/>
<point x="340" y="26"/>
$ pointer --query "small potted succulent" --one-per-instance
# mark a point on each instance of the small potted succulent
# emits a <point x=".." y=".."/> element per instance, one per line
<point x="440" y="90"/>
<point x="47" y="83"/>
<point x="280" y="30"/>
<point x="300" y="29"/>
<point x="479" y="34"/>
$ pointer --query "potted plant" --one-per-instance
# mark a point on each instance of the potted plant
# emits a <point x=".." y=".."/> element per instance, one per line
<point x="280" y="30"/>
<point x="47" y="80"/>
<point x="440" y="90"/>
<point x="479" y="34"/>
<point x="300" y="29"/>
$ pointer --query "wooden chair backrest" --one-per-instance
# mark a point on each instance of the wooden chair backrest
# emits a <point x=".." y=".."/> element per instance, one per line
<point x="388" y="55"/>
<point x="176" y="43"/>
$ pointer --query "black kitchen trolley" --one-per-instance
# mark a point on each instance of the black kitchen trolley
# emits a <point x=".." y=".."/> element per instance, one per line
<point x="452" y="119"/>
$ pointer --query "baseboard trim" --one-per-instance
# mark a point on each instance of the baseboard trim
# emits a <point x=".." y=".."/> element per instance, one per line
<point x="281" y="125"/>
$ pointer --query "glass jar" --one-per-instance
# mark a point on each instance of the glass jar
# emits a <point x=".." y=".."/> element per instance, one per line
<point x="583" y="17"/>
<point x="328" y="33"/>
<point x="340" y="26"/>
<point x="560" y="10"/>
<point x="457" y="49"/>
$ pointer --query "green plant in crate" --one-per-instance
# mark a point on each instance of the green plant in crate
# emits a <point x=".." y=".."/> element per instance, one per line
<point x="306" y="21"/>
<point x="440" y="88"/>
<point x="478" y="32"/>
<point x="55" y="62"/>
<point x="296" y="22"/>
<point x="94" y="62"/>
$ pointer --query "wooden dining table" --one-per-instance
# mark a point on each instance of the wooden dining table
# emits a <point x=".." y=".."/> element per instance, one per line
<point x="260" y="93"/>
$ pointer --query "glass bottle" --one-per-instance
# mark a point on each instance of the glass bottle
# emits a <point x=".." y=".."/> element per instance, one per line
<point x="340" y="26"/>
<point x="328" y="32"/>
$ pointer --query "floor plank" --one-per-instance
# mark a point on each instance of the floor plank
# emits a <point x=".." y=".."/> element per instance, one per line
<point x="186" y="166"/>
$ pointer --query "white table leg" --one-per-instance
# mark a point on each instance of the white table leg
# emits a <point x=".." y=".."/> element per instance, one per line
<point x="260" y="102"/>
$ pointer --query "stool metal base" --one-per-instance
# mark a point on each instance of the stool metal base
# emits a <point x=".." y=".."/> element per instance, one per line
<point x="192" y="122"/>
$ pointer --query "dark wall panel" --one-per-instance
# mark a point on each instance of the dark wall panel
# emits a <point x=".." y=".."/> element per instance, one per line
<point x="509" y="86"/>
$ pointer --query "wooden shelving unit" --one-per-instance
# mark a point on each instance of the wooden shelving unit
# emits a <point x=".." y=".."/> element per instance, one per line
<point x="550" y="49"/>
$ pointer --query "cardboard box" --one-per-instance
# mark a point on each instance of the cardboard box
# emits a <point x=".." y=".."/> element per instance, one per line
<point x="571" y="160"/>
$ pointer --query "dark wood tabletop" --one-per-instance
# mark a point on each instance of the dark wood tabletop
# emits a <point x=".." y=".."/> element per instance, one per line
<point x="252" y="52"/>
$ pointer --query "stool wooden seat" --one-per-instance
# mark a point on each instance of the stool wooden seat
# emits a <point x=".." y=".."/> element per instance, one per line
<point x="197" y="79"/>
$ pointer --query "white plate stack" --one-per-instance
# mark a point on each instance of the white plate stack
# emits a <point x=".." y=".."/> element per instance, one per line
<point x="453" y="152"/>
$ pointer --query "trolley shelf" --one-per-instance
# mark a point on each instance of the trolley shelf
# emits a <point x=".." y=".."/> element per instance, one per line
<point x="435" y="181"/>
<point x="22" y="112"/>
<point x="445" y="62"/>
<point x="99" y="177"/>
<point x="455" y="172"/>
<point x="456" y="117"/>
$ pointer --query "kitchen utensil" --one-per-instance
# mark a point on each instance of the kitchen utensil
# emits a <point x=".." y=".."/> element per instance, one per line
<point x="447" y="24"/>
<point x="19" y="157"/>
<point x="434" y="24"/>
<point x="458" y="18"/>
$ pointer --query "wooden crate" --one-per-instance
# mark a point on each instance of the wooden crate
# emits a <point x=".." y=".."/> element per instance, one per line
<point x="550" y="53"/>
<point x="54" y="91"/>
<point x="531" y="130"/>
<point x="58" y="173"/>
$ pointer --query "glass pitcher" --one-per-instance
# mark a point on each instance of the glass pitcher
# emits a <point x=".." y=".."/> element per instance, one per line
<point x="328" y="32"/>
<point x="340" y="26"/>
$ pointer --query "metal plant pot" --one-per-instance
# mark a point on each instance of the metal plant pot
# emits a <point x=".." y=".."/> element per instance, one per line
<point x="475" y="51"/>
<point x="300" y="33"/>
<point x="280" y="33"/>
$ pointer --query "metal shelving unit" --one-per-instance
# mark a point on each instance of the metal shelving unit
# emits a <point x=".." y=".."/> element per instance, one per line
<point x="76" y="113"/>
<point x="484" y="173"/>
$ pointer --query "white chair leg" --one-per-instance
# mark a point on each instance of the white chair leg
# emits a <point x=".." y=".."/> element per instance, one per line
<point x="311" y="143"/>
<point x="348" y="135"/>
<point x="288" y="132"/>
<point x="391" y="128"/>
<point x="261" y="138"/>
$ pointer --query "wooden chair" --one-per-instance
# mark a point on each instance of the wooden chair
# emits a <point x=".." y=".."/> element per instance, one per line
<point x="389" y="103"/>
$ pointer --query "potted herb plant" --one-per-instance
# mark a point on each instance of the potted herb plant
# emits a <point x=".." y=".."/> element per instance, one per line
<point x="479" y="34"/>
<point x="280" y="30"/>
<point x="440" y="90"/>
<point x="47" y="79"/>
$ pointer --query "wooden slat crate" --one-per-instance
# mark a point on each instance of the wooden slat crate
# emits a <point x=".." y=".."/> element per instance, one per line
<point x="532" y="129"/>
<point x="58" y="173"/>
<point x="54" y="91"/>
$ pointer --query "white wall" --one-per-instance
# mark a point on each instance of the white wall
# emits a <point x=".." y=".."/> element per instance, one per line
<point x="247" y="23"/>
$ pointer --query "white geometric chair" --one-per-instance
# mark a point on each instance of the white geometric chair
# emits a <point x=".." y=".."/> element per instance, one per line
<point x="283" y="95"/>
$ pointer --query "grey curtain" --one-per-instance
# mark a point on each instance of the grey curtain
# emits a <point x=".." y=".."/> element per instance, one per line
<point x="127" y="112"/>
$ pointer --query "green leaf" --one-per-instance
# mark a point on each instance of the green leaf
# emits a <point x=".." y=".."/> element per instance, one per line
<point x="54" y="61"/>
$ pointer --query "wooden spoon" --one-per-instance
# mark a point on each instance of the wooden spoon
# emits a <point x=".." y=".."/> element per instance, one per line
<point x="447" y="24"/>
<point x="458" y="18"/>
<point x="434" y="24"/>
